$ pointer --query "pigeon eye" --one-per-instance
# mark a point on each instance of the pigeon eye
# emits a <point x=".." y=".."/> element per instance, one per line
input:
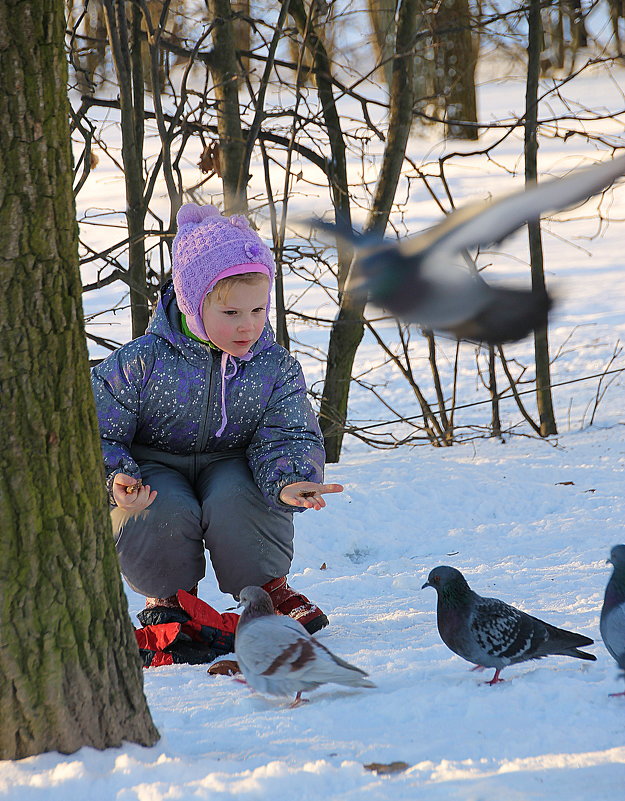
<point x="436" y="578"/>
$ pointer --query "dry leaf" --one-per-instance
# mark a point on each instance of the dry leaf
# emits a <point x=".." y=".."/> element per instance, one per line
<point x="565" y="483"/>
<point x="209" y="160"/>
<point x="323" y="566"/>
<point x="383" y="769"/>
<point x="93" y="160"/>
<point x="225" y="667"/>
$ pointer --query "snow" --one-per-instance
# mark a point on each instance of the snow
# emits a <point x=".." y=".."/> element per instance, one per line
<point x="527" y="520"/>
<point x="502" y="514"/>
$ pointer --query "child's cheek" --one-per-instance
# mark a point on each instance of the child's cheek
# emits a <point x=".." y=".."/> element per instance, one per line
<point x="217" y="331"/>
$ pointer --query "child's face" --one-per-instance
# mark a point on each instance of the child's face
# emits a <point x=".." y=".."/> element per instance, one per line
<point x="235" y="323"/>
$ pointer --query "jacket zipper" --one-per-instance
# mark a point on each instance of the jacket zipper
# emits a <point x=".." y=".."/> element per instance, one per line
<point x="207" y="412"/>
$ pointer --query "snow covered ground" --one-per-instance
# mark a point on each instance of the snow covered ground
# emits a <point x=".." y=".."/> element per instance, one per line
<point x="506" y="515"/>
<point x="528" y="521"/>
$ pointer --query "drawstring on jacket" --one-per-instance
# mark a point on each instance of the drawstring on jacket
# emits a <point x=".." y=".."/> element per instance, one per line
<point x="224" y="366"/>
<point x="225" y="357"/>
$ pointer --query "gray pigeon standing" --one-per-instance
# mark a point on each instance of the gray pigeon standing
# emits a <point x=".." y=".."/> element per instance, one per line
<point x="279" y="657"/>
<point x="421" y="279"/>
<point x="612" y="621"/>
<point x="489" y="632"/>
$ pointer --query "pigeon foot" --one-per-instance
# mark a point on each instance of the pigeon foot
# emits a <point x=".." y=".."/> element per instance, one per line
<point x="298" y="701"/>
<point x="495" y="679"/>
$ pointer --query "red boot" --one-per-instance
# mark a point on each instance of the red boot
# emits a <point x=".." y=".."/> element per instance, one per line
<point x="287" y="601"/>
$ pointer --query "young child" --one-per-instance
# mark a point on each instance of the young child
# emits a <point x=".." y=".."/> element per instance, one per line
<point x="209" y="440"/>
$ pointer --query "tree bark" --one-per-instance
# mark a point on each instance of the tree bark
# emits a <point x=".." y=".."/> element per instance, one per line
<point x="337" y="164"/>
<point x="126" y="52"/>
<point x="382" y="16"/>
<point x="541" y="339"/>
<point x="456" y="62"/>
<point x="70" y="674"/>
<point x="225" y="73"/>
<point x="579" y="35"/>
<point x="348" y="328"/>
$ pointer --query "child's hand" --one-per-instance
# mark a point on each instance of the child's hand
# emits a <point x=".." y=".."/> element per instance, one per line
<point x="130" y="494"/>
<point x="307" y="494"/>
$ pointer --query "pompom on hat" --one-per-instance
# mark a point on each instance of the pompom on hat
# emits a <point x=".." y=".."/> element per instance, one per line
<point x="208" y="247"/>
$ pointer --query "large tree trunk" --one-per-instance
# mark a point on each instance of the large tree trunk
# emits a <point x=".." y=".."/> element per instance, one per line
<point x="541" y="340"/>
<point x="70" y="674"/>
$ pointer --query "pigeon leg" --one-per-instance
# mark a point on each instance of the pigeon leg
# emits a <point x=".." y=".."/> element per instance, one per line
<point x="477" y="667"/>
<point x="298" y="701"/>
<point x="495" y="679"/>
<point x="616" y="695"/>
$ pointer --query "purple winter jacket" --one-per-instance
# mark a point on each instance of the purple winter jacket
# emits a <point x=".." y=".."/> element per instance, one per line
<point x="164" y="390"/>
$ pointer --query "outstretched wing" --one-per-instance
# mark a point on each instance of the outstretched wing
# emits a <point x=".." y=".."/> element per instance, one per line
<point x="490" y="222"/>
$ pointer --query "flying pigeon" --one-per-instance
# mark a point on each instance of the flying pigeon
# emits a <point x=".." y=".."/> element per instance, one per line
<point x="489" y="632"/>
<point x="278" y="656"/>
<point x="421" y="279"/>
<point x="612" y="621"/>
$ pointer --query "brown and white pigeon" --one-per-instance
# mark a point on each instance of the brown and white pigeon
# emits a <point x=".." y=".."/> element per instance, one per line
<point x="491" y="633"/>
<point x="422" y="279"/>
<point x="612" y="621"/>
<point x="278" y="656"/>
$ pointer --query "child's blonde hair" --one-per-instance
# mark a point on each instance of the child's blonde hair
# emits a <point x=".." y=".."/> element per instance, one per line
<point x="222" y="288"/>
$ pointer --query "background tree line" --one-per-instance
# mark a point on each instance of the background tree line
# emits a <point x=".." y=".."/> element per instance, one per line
<point x="271" y="87"/>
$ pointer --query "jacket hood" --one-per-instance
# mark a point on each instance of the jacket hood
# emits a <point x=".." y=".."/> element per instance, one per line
<point x="165" y="323"/>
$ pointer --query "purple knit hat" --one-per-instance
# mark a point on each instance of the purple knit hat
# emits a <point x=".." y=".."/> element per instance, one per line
<point x="209" y="247"/>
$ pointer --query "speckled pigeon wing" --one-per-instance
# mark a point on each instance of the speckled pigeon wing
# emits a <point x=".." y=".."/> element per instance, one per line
<point x="503" y="631"/>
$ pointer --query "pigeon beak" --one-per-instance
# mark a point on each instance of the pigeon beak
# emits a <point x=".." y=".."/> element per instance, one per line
<point x="427" y="584"/>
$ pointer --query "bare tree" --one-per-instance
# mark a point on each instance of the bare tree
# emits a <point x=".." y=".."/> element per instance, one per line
<point x="125" y="38"/>
<point x="226" y="75"/>
<point x="541" y="341"/>
<point x="455" y="52"/>
<point x="348" y="328"/>
<point x="382" y="14"/>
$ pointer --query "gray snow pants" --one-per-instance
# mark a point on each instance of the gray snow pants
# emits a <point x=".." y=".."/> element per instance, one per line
<point x="205" y="502"/>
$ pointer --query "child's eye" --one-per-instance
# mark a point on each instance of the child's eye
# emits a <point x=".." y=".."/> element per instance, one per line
<point x="230" y="312"/>
<point x="259" y="309"/>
